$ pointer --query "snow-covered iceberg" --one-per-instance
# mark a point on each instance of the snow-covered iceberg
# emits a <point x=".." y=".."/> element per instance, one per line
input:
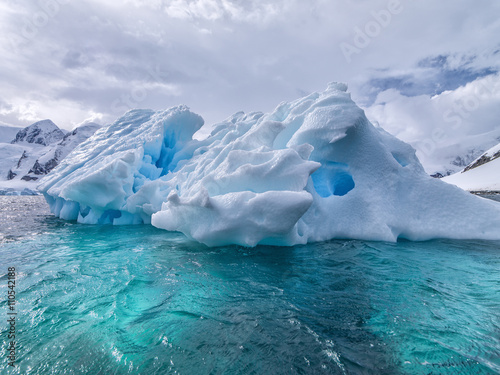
<point x="312" y="170"/>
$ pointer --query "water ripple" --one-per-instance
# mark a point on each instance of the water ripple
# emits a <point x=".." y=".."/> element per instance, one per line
<point x="137" y="300"/>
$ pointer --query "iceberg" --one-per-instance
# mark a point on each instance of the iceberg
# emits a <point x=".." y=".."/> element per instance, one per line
<point x="312" y="170"/>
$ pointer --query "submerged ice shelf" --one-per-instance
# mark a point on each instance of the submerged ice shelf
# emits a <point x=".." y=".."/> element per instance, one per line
<point x="312" y="170"/>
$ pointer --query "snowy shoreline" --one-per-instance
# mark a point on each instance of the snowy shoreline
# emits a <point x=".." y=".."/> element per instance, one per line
<point x="485" y="192"/>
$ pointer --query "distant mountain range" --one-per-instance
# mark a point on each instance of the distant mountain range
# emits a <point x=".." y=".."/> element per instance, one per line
<point x="28" y="154"/>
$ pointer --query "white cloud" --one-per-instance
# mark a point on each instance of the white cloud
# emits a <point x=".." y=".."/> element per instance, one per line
<point x="444" y="126"/>
<point x="215" y="10"/>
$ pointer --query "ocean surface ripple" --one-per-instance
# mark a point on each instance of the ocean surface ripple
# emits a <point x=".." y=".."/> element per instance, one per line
<point x="139" y="300"/>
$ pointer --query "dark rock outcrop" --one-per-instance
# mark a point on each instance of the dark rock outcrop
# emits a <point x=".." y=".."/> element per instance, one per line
<point x="482" y="160"/>
<point x="11" y="175"/>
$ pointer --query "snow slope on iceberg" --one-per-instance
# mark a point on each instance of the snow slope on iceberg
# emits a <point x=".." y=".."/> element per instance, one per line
<point x="312" y="170"/>
<point x="483" y="174"/>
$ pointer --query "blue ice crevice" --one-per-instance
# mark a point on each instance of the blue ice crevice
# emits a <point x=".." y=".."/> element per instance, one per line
<point x="332" y="179"/>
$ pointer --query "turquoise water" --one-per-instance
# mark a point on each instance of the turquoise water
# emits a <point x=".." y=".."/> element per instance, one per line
<point x="138" y="300"/>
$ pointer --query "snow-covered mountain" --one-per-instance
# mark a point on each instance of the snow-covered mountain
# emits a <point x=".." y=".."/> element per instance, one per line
<point x="43" y="132"/>
<point x="32" y="152"/>
<point x="482" y="175"/>
<point x="50" y="159"/>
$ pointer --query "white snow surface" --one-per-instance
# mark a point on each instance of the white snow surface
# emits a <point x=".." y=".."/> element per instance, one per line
<point x="312" y="170"/>
<point x="18" y="158"/>
<point x="485" y="177"/>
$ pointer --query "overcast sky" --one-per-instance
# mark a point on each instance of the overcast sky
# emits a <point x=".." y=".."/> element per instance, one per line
<point x="94" y="60"/>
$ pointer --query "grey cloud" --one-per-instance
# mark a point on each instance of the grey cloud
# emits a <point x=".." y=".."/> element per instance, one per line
<point x="75" y="59"/>
<point x="92" y="53"/>
<point x="4" y="106"/>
